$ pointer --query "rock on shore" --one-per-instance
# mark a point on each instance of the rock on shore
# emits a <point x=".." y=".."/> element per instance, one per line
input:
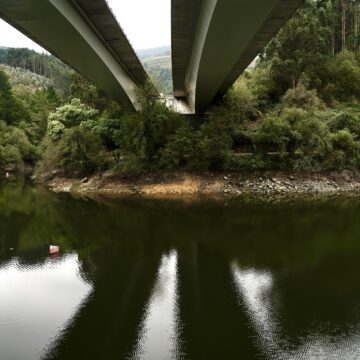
<point x="182" y="184"/>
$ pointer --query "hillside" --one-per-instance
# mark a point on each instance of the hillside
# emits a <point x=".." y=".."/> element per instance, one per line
<point x="154" y="52"/>
<point x="25" y="78"/>
<point x="157" y="62"/>
<point x="51" y="70"/>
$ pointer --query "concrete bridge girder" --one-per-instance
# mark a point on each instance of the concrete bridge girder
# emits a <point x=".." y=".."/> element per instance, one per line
<point x="61" y="28"/>
<point x="227" y="37"/>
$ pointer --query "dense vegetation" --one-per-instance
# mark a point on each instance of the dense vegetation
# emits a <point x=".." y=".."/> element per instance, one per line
<point x="299" y="108"/>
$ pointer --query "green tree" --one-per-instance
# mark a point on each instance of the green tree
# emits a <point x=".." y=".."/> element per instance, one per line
<point x="81" y="151"/>
<point x="69" y="115"/>
<point x="11" y="111"/>
<point x="298" y="48"/>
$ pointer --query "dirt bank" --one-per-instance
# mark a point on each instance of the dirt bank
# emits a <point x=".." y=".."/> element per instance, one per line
<point x="181" y="184"/>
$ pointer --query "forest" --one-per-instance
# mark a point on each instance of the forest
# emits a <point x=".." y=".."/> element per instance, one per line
<point x="298" y="109"/>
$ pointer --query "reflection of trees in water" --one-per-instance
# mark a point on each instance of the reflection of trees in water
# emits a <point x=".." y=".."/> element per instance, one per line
<point x="107" y="326"/>
<point x="275" y="340"/>
<point x="29" y="222"/>
<point x="311" y="249"/>
<point x="159" y="332"/>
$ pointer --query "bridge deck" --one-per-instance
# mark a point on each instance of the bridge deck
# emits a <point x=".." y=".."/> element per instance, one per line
<point x="108" y="28"/>
<point x="214" y="41"/>
<point x="86" y="36"/>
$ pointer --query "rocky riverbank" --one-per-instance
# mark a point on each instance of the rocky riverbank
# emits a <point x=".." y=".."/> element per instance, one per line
<point x="175" y="185"/>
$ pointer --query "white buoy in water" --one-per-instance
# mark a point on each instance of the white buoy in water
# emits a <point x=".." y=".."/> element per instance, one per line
<point x="7" y="174"/>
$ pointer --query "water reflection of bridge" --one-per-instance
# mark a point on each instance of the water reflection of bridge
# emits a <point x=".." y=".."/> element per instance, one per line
<point x="184" y="303"/>
<point x="197" y="285"/>
<point x="167" y="307"/>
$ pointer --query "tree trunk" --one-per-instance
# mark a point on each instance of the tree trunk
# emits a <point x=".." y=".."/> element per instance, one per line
<point x="357" y="26"/>
<point x="343" y="25"/>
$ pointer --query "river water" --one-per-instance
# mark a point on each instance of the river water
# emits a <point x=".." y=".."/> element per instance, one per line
<point x="146" y="279"/>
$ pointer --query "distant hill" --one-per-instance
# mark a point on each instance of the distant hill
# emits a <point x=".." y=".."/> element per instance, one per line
<point x="154" y="52"/>
<point x="44" y="65"/>
<point x="157" y="63"/>
<point x="24" y="78"/>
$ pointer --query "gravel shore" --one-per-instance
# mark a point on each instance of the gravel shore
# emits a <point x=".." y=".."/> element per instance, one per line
<point x="183" y="184"/>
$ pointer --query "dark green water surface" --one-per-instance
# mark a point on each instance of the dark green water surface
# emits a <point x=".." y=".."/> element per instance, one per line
<point x="146" y="279"/>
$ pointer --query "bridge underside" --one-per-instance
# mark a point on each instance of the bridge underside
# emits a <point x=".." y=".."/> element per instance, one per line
<point x="214" y="41"/>
<point x="86" y="36"/>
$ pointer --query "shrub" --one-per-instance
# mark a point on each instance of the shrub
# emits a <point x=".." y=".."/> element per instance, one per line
<point x="344" y="119"/>
<point x="105" y="128"/>
<point x="313" y="143"/>
<point x="130" y="142"/>
<point x="341" y="77"/>
<point x="301" y="97"/>
<point x="211" y="145"/>
<point x="67" y="116"/>
<point x="81" y="151"/>
<point x="263" y="87"/>
<point x="11" y="110"/>
<point x="299" y="137"/>
<point x="240" y="103"/>
<point x="345" y="153"/>
<point x="10" y="156"/>
<point x="179" y="148"/>
<point x="16" y="148"/>
<point x="50" y="157"/>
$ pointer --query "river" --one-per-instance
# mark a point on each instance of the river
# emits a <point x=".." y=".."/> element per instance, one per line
<point x="155" y="279"/>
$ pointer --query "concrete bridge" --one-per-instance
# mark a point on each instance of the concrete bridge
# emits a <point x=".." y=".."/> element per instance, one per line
<point x="213" y="42"/>
<point x="85" y="35"/>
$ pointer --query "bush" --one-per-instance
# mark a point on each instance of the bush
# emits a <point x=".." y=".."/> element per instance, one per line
<point x="106" y="128"/>
<point x="11" y="110"/>
<point x="301" y="97"/>
<point x="67" y="116"/>
<point x="346" y="118"/>
<point x="341" y="77"/>
<point x="81" y="151"/>
<point x="179" y="148"/>
<point x="211" y="146"/>
<point x="15" y="147"/>
<point x="345" y="153"/>
<point x="50" y="157"/>
<point x="313" y="144"/>
<point x="263" y="87"/>
<point x="300" y="139"/>
<point x="130" y="142"/>
<point x="78" y="152"/>
<point x="206" y="148"/>
<point x="240" y="103"/>
<point x="159" y="122"/>
<point x="10" y="156"/>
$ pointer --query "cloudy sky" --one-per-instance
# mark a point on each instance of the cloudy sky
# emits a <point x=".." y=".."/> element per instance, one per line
<point x="145" y="22"/>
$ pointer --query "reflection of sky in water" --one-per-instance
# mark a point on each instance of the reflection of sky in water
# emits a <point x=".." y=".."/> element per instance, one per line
<point x="254" y="289"/>
<point x="37" y="301"/>
<point x="158" y="335"/>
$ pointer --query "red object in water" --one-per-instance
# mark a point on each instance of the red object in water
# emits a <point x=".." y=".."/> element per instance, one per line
<point x="54" y="249"/>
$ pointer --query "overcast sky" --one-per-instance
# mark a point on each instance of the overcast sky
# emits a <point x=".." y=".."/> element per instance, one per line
<point x="145" y="22"/>
<point x="12" y="38"/>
